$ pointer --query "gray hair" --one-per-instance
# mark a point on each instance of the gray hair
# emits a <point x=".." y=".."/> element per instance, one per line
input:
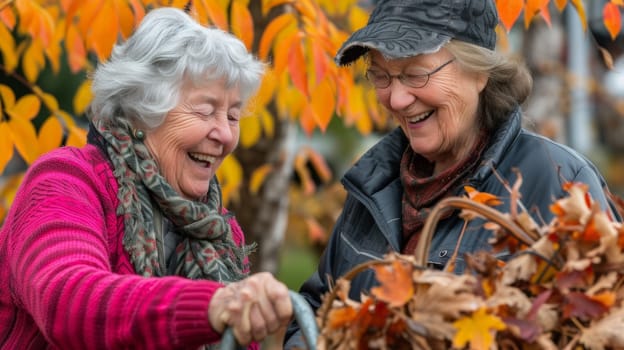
<point x="144" y="75"/>
<point x="509" y="80"/>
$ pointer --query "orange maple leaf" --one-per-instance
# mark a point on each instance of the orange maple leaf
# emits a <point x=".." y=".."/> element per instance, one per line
<point x="397" y="286"/>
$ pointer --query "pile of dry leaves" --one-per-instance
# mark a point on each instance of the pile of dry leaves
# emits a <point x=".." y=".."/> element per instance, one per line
<point x="562" y="290"/>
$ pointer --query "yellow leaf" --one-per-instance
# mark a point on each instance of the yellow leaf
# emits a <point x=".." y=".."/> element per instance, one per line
<point x="290" y="101"/>
<point x="8" y="50"/>
<point x="258" y="176"/>
<point x="230" y="175"/>
<point x="25" y="138"/>
<point x="104" y="29"/>
<point x="9" y="191"/>
<point x="250" y="131"/>
<point x="26" y="108"/>
<point x="345" y="6"/>
<point x="307" y="9"/>
<point x="83" y="97"/>
<point x="580" y="8"/>
<point x="77" y="137"/>
<point x="356" y="107"/>
<point x="50" y="135"/>
<point x="277" y="26"/>
<point x="33" y="60"/>
<point x="7" y="97"/>
<point x="364" y="125"/>
<point x="357" y="18"/>
<point x="267" y="89"/>
<point x="477" y="330"/>
<point x="268" y="123"/>
<point x="242" y="23"/>
<point x="48" y="100"/>
<point x="67" y="119"/>
<point x="6" y="145"/>
<point x="323" y="102"/>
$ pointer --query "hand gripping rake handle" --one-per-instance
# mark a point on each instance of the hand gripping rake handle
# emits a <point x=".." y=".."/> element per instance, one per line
<point x="303" y="315"/>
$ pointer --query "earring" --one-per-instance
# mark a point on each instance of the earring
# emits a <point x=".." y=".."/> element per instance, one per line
<point x="138" y="134"/>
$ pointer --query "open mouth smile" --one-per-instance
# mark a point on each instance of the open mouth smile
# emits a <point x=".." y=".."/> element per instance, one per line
<point x="204" y="159"/>
<point x="420" y="117"/>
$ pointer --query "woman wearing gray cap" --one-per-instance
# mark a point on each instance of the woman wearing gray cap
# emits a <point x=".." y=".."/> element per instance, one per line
<point x="457" y="102"/>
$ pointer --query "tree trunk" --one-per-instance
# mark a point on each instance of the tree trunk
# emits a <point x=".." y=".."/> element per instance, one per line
<point x="263" y="216"/>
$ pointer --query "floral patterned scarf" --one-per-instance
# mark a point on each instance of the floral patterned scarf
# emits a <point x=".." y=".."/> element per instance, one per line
<point x="207" y="250"/>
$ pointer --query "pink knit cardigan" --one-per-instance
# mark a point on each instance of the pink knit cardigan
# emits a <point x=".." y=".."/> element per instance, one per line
<point x="66" y="281"/>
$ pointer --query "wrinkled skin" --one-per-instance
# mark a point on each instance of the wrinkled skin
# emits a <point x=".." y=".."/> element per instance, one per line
<point x="196" y="136"/>
<point x="254" y="307"/>
<point x="439" y="119"/>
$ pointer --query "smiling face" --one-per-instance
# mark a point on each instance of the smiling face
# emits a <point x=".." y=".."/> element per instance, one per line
<point x="196" y="136"/>
<point x="439" y="119"/>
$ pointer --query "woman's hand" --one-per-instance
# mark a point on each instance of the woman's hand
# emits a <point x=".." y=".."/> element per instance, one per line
<point x="254" y="307"/>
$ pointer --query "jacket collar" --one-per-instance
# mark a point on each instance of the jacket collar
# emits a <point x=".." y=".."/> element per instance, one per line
<point x="501" y="141"/>
<point x="374" y="179"/>
<point x="379" y="166"/>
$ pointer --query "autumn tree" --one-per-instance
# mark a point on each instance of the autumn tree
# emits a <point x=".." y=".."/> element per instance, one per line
<point x="302" y="90"/>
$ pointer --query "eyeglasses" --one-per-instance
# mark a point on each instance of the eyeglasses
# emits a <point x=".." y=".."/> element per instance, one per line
<point x="415" y="78"/>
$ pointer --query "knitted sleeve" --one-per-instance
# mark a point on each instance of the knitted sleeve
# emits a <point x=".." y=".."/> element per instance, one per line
<point x="61" y="274"/>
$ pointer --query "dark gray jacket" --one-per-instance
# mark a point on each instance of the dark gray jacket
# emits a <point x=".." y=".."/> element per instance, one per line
<point x="370" y="224"/>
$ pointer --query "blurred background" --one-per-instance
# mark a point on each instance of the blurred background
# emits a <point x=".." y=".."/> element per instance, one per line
<point x="311" y="119"/>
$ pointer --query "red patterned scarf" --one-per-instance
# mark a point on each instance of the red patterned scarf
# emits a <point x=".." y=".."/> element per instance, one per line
<point x="421" y="190"/>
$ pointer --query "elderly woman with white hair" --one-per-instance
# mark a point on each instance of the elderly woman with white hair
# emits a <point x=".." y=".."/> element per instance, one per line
<point x="124" y="243"/>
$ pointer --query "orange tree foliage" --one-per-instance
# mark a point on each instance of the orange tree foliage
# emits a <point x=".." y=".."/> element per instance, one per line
<point x="299" y="41"/>
<point x="563" y="288"/>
